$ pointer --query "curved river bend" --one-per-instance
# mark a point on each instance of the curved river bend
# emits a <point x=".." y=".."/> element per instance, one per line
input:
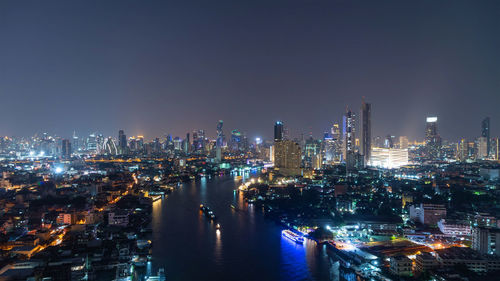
<point x="248" y="246"/>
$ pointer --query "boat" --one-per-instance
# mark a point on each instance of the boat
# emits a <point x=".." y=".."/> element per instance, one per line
<point x="293" y="236"/>
<point x="206" y="210"/>
<point x="217" y="226"/>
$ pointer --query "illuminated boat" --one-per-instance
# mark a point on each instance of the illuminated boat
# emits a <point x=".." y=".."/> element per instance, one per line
<point x="292" y="236"/>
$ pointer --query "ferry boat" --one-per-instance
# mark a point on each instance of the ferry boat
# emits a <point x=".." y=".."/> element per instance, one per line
<point x="208" y="213"/>
<point x="292" y="236"/>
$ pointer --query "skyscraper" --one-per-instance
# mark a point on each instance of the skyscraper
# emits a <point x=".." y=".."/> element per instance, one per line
<point x="432" y="138"/>
<point x="366" y="131"/>
<point x="122" y="142"/>
<point x="278" y="131"/>
<point x="220" y="134"/>
<point x="463" y="150"/>
<point x="349" y="138"/>
<point x="287" y="156"/>
<point x="485" y="133"/>
<point x="66" y="149"/>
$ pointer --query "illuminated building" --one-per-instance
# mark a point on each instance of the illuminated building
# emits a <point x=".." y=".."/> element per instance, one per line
<point x="366" y="132"/>
<point x="389" y="158"/>
<point x="463" y="150"/>
<point x="432" y="138"/>
<point x="109" y="147"/>
<point x="389" y="141"/>
<point x="75" y="143"/>
<point x="177" y="143"/>
<point x="92" y="143"/>
<point x="333" y="146"/>
<point x="349" y="139"/>
<point x="486" y="240"/>
<point x="312" y="152"/>
<point x="454" y="228"/>
<point x="235" y="140"/>
<point x="219" y="142"/>
<point x="482" y="148"/>
<point x="287" y="157"/>
<point x="428" y="214"/>
<point x="278" y="131"/>
<point x="485" y="133"/>
<point x="122" y="142"/>
<point x="187" y="144"/>
<point x="403" y="142"/>
<point x="199" y="141"/>
<point x="66" y="149"/>
<point x="400" y="265"/>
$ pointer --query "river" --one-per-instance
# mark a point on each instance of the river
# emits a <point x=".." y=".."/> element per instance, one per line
<point x="247" y="247"/>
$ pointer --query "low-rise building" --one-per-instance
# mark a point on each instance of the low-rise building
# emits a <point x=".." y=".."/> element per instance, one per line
<point x="428" y="214"/>
<point x="400" y="265"/>
<point x="426" y="262"/>
<point x="118" y="218"/>
<point x="454" y="228"/>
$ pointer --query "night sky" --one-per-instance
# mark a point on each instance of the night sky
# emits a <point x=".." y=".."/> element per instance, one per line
<point x="158" y="67"/>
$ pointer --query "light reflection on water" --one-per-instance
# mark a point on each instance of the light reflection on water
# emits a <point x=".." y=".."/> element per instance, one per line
<point x="247" y="247"/>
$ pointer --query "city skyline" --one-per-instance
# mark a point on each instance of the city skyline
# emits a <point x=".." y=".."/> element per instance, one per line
<point x="174" y="67"/>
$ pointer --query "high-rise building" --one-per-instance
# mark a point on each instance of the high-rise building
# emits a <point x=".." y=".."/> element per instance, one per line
<point x="109" y="147"/>
<point x="75" y="142"/>
<point x="66" y="149"/>
<point x="462" y="150"/>
<point x="92" y="143"/>
<point x="287" y="157"/>
<point x="485" y="133"/>
<point x="235" y="140"/>
<point x="278" y="131"/>
<point x="122" y="142"/>
<point x="220" y="134"/>
<point x="403" y="142"/>
<point x="366" y="131"/>
<point x="432" y="138"/>
<point x="187" y="144"/>
<point x="482" y="148"/>
<point x="349" y="139"/>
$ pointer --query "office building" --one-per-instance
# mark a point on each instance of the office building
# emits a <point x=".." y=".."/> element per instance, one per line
<point x="366" y="132"/>
<point x="482" y="148"/>
<point x="122" y="142"/>
<point x="403" y="142"/>
<point x="485" y="133"/>
<point x="349" y="139"/>
<point x="432" y="138"/>
<point x="462" y="150"/>
<point x="278" y="131"/>
<point x="287" y="157"/>
<point x="388" y="158"/>
<point x="66" y="149"/>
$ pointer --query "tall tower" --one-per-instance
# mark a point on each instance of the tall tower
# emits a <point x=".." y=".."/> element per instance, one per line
<point x="220" y="134"/>
<point x="349" y="139"/>
<point x="485" y="133"/>
<point x="278" y="131"/>
<point x="432" y="138"/>
<point x="122" y="142"/>
<point x="66" y="149"/>
<point x="366" y="131"/>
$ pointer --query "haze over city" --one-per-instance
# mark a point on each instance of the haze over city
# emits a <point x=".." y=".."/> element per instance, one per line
<point x="168" y="67"/>
<point x="260" y="140"/>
